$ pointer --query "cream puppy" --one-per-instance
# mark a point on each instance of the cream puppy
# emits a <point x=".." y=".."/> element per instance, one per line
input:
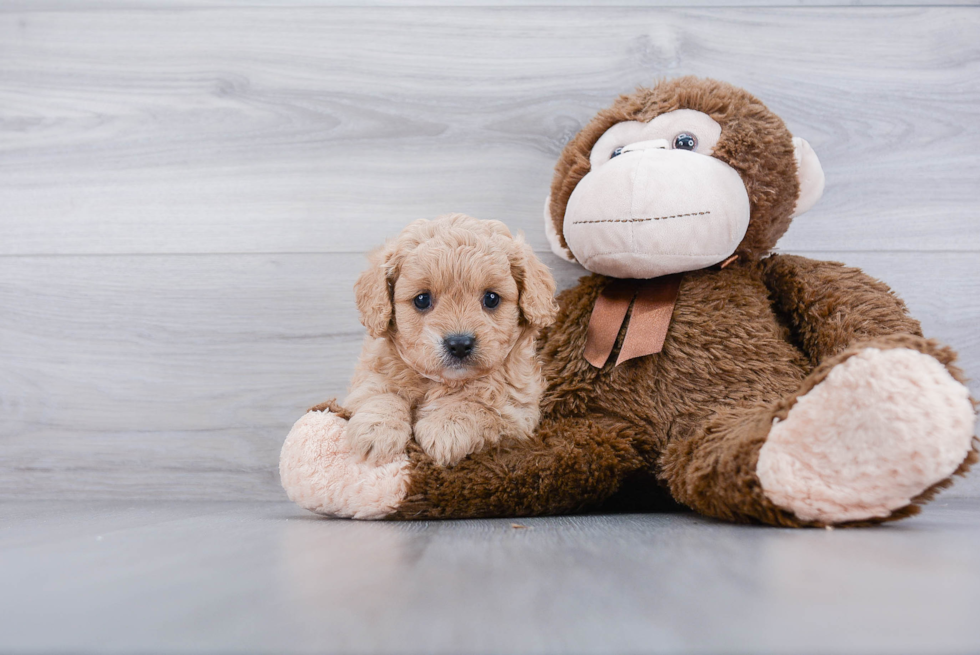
<point x="452" y="307"/>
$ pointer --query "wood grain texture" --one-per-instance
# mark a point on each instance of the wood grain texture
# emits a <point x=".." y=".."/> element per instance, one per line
<point x="186" y="189"/>
<point x="171" y="577"/>
<point x="179" y="376"/>
<point x="157" y="5"/>
<point x="315" y="129"/>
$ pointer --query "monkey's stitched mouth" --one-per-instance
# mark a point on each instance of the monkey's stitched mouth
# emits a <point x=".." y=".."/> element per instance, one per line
<point x="640" y="220"/>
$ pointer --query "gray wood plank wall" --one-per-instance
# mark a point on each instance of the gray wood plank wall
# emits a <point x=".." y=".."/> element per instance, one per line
<point x="187" y="188"/>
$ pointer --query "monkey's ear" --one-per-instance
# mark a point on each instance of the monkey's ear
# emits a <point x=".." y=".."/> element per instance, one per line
<point x="373" y="291"/>
<point x="552" y="234"/>
<point x="810" y="174"/>
<point x="537" y="286"/>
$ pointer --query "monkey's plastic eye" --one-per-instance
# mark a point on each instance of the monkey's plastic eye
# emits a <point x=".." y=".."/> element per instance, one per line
<point x="490" y="300"/>
<point x="685" y="141"/>
<point x="422" y="301"/>
<point x="617" y="152"/>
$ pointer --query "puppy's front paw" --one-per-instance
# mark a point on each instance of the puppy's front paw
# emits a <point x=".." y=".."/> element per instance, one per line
<point x="376" y="438"/>
<point x="448" y="438"/>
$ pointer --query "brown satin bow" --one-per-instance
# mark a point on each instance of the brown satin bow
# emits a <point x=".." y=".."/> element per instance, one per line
<point x="653" y="304"/>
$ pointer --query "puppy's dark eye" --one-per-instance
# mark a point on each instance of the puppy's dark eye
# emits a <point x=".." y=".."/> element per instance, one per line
<point x="422" y="301"/>
<point x="617" y="152"/>
<point x="490" y="300"/>
<point x="685" y="141"/>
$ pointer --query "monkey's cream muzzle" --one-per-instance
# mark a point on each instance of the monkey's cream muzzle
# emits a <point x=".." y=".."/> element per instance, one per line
<point x="653" y="211"/>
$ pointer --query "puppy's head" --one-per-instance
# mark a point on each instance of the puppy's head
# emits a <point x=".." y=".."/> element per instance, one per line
<point x="455" y="295"/>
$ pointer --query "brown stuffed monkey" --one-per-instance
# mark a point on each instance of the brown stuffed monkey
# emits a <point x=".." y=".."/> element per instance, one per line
<point x="691" y="366"/>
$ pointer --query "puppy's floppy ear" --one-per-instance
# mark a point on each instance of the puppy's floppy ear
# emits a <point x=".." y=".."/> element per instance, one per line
<point x="373" y="290"/>
<point x="537" y="286"/>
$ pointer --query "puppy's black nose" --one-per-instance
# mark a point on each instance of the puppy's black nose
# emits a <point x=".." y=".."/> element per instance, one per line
<point x="459" y="345"/>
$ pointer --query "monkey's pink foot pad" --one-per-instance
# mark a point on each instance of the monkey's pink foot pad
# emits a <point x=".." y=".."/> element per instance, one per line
<point x="884" y="426"/>
<point x="320" y="473"/>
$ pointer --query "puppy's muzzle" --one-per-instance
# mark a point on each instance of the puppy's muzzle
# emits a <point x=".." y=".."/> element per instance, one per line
<point x="459" y="346"/>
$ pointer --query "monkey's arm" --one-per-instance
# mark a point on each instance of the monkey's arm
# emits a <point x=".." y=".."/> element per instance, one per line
<point x="830" y="307"/>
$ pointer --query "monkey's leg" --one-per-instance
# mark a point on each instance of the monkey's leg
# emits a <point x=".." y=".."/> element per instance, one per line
<point x="569" y="465"/>
<point x="320" y="471"/>
<point x="871" y="434"/>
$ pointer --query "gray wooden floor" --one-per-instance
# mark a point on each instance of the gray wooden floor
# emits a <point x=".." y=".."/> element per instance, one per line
<point x="265" y="577"/>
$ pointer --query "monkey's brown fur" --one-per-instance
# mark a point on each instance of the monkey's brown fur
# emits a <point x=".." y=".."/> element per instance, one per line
<point x="744" y="343"/>
<point x="694" y="414"/>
